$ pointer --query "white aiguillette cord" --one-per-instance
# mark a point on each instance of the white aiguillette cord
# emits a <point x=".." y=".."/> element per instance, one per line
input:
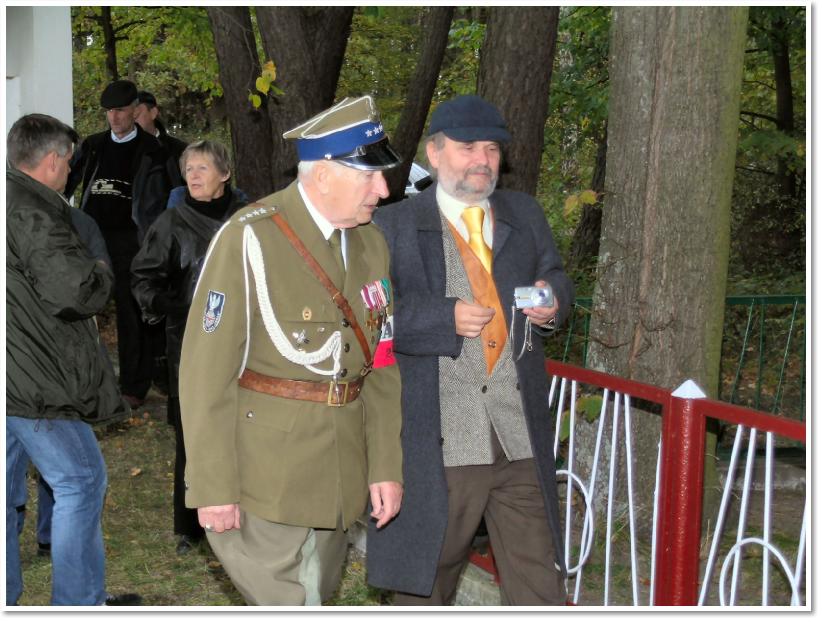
<point x="331" y="348"/>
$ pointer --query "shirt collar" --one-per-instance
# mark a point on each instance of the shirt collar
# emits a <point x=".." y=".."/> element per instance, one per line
<point x="326" y="228"/>
<point x="452" y="207"/>
<point x="132" y="134"/>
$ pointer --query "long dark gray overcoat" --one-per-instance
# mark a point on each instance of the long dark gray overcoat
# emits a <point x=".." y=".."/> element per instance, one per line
<point x="403" y="555"/>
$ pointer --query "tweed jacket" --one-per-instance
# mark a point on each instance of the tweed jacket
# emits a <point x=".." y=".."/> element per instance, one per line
<point x="403" y="555"/>
<point x="284" y="460"/>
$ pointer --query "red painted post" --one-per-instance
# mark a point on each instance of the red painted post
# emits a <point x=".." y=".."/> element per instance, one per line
<point x="680" y="502"/>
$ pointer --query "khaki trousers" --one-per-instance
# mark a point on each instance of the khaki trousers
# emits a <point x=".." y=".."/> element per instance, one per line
<point x="507" y="494"/>
<point x="275" y="564"/>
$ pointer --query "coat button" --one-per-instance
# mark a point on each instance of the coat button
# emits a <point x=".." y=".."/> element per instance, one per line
<point x="484" y="388"/>
<point x="249" y="414"/>
<point x="343" y="373"/>
<point x="345" y="323"/>
<point x="518" y="386"/>
<point x="442" y="441"/>
<point x="346" y="348"/>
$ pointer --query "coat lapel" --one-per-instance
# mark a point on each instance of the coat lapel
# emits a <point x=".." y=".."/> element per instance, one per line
<point x="429" y="232"/>
<point x="504" y="222"/>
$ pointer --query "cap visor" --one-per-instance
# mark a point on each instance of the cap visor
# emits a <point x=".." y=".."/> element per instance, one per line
<point x="378" y="156"/>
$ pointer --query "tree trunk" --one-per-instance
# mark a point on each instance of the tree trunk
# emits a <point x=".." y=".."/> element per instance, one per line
<point x="517" y="40"/>
<point x="435" y="25"/>
<point x="672" y="129"/>
<point x="251" y="133"/>
<point x="784" y="103"/>
<point x="307" y="45"/>
<point x="585" y="243"/>
<point x="109" y="42"/>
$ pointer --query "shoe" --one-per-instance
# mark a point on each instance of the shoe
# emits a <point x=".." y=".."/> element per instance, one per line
<point x="123" y="600"/>
<point x="185" y="544"/>
<point x="43" y="549"/>
<point x="134" y="401"/>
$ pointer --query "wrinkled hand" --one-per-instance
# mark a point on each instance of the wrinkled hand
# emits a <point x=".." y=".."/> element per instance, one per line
<point x="219" y="518"/>
<point x="470" y="318"/>
<point x="542" y="315"/>
<point x="386" y="498"/>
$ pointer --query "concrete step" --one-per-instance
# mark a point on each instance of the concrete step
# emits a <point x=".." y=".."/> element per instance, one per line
<point x="788" y="469"/>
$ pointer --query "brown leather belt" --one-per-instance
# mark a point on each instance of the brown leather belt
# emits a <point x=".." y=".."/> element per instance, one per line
<point x="331" y="393"/>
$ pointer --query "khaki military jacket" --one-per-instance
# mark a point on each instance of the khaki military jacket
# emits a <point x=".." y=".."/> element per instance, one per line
<point x="287" y="461"/>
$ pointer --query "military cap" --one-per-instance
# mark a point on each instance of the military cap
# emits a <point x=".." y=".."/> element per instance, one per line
<point x="350" y="133"/>
<point x="144" y="97"/>
<point x="118" y="94"/>
<point x="467" y="118"/>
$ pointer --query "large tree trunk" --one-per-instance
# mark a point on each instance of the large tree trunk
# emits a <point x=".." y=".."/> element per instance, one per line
<point x="518" y="40"/>
<point x="307" y="45"/>
<point x="585" y="243"/>
<point x="672" y="128"/>
<point x="109" y="42"/>
<point x="435" y="25"/>
<point x="250" y="128"/>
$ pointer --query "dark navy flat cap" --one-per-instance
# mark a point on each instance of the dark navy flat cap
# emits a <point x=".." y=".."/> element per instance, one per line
<point x="118" y="94"/>
<point x="467" y="118"/>
<point x="144" y="97"/>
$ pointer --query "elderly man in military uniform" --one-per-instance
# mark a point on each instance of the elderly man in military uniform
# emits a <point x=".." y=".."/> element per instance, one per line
<point x="289" y="393"/>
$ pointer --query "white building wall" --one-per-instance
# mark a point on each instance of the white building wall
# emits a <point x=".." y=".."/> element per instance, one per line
<point x="38" y="62"/>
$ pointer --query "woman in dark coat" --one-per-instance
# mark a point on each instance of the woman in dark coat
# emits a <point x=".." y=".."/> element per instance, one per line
<point x="164" y="275"/>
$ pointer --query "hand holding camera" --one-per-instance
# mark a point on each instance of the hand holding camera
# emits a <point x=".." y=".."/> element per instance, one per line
<point x="537" y="302"/>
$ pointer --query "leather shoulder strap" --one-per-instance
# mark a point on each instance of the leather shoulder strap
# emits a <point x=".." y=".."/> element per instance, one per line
<point x="336" y="295"/>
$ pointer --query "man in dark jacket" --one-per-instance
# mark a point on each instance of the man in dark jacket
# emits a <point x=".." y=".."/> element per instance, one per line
<point x="148" y="118"/>
<point x="125" y="187"/>
<point x="57" y="381"/>
<point x="477" y="433"/>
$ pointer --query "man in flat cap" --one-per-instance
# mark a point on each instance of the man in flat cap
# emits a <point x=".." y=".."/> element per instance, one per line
<point x="125" y="186"/>
<point x="289" y="395"/>
<point x="477" y="431"/>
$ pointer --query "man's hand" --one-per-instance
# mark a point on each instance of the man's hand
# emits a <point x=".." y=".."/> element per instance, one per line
<point x="470" y="318"/>
<point x="219" y="518"/>
<point x="386" y="498"/>
<point x="542" y="315"/>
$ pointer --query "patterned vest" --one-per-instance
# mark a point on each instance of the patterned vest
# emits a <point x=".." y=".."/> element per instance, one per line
<point x="472" y="403"/>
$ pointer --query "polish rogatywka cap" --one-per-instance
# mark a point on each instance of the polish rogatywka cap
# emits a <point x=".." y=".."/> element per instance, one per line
<point x="350" y="133"/>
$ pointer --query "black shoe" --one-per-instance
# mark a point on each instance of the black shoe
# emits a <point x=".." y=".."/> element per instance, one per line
<point x="123" y="600"/>
<point x="185" y="544"/>
<point x="43" y="549"/>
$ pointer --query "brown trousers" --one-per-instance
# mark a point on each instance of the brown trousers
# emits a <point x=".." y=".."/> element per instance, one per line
<point x="507" y="494"/>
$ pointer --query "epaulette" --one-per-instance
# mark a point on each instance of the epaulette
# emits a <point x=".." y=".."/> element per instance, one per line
<point x="255" y="211"/>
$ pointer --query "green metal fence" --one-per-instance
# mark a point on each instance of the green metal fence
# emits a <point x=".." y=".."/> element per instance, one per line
<point x="763" y="351"/>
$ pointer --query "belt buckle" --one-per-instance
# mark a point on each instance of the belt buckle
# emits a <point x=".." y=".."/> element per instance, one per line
<point x="333" y="392"/>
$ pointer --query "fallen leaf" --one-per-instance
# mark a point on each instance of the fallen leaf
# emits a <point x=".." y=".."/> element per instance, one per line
<point x="135" y="471"/>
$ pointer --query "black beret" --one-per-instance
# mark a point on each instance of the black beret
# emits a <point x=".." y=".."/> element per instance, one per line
<point x="118" y="94"/>
<point x="468" y="118"/>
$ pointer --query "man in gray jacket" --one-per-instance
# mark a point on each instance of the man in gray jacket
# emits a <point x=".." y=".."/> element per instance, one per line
<point x="477" y="434"/>
<point x="57" y="381"/>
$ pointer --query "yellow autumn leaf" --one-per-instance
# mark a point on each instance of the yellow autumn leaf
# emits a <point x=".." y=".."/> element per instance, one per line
<point x="262" y="84"/>
<point x="255" y="100"/>
<point x="588" y="197"/>
<point x="571" y="205"/>
<point x="270" y="71"/>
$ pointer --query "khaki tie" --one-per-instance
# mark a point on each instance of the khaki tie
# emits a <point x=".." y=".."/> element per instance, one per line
<point x="335" y="241"/>
<point x="473" y="217"/>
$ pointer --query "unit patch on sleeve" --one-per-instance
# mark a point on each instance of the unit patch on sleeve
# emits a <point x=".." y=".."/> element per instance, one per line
<point x="215" y="301"/>
<point x="384" y="354"/>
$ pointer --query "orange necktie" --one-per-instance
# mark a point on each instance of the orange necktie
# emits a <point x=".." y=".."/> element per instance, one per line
<point x="473" y="216"/>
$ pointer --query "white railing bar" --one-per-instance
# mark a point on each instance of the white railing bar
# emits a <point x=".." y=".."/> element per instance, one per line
<point x="560" y="404"/>
<point x="766" y="520"/>
<point x="720" y="519"/>
<point x="586" y="545"/>
<point x="552" y="389"/>
<point x="743" y="512"/>
<point x="799" y="568"/>
<point x="654" y="520"/>
<point x="629" y="472"/>
<point x="603" y="413"/>
<point x="735" y="551"/>
<point x="569" y="489"/>
<point x="612" y="477"/>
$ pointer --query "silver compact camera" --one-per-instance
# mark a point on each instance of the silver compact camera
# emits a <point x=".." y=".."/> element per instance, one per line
<point x="527" y="297"/>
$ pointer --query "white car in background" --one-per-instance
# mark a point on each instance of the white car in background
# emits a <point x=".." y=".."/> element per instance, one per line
<point x="418" y="180"/>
